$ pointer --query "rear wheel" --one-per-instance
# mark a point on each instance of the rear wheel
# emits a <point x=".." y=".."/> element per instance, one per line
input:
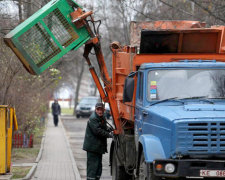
<point x="118" y="172"/>
<point x="78" y="116"/>
<point x="145" y="172"/>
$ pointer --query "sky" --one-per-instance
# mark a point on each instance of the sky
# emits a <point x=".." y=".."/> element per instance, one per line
<point x="63" y="93"/>
<point x="8" y="7"/>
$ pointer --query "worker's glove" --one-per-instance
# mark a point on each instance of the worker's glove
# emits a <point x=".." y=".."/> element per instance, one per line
<point x="111" y="134"/>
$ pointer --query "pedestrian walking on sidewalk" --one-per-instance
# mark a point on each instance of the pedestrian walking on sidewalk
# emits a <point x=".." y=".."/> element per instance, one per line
<point x="56" y="111"/>
<point x="95" y="142"/>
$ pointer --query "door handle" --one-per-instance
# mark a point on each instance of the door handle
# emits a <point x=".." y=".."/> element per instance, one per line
<point x="145" y="113"/>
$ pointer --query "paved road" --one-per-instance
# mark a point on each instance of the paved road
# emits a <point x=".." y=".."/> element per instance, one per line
<point x="75" y="130"/>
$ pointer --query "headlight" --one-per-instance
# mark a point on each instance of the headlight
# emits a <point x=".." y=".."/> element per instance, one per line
<point x="93" y="108"/>
<point x="169" y="168"/>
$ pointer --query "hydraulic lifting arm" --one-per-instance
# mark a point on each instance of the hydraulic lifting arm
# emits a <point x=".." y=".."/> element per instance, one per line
<point x="79" y="19"/>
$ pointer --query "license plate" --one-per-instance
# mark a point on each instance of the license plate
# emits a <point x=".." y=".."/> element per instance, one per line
<point x="85" y="111"/>
<point x="212" y="173"/>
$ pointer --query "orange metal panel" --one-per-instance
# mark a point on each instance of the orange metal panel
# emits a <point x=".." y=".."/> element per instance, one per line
<point x="222" y="44"/>
<point x="122" y="66"/>
<point x="157" y="58"/>
<point x="204" y="43"/>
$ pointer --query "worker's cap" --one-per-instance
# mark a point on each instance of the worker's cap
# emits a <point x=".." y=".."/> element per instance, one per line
<point x="100" y="105"/>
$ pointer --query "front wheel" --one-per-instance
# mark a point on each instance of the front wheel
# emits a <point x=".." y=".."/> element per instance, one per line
<point x="146" y="172"/>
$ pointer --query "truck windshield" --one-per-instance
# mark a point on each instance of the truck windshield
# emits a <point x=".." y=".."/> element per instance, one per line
<point x="186" y="83"/>
<point x="88" y="101"/>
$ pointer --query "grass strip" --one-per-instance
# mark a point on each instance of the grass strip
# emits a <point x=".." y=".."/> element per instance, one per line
<point x="20" y="172"/>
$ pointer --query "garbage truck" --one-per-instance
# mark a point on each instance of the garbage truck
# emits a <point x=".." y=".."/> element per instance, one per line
<point x="166" y="93"/>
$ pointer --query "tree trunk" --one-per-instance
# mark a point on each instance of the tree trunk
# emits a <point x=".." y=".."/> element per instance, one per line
<point x="20" y="11"/>
<point x="78" y="87"/>
<point x="95" y="91"/>
<point x="29" y="13"/>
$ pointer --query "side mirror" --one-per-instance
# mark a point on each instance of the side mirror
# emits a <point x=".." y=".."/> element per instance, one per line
<point x="128" y="88"/>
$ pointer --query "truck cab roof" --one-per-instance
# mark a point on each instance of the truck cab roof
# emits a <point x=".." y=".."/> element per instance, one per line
<point x="185" y="64"/>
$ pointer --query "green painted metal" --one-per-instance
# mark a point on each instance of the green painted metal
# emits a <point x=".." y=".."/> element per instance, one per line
<point x="46" y="36"/>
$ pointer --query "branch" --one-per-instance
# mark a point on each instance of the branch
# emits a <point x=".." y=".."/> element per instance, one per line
<point x="139" y="12"/>
<point x="181" y="10"/>
<point x="36" y="4"/>
<point x="208" y="11"/>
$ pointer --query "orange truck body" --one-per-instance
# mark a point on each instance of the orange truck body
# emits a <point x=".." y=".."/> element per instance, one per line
<point x="187" y="40"/>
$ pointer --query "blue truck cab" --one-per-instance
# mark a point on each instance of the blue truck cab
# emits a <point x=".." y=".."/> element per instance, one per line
<point x="180" y="118"/>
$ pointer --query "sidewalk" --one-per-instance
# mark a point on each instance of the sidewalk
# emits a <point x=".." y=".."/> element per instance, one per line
<point x="57" y="162"/>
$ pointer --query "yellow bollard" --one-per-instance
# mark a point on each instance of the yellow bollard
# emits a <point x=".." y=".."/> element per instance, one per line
<point x="8" y="124"/>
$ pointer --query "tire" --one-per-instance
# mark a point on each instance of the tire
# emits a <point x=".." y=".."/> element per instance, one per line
<point x="145" y="172"/>
<point x="118" y="172"/>
<point x="78" y="116"/>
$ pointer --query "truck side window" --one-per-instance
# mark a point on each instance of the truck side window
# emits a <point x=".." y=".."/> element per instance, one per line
<point x="140" y="86"/>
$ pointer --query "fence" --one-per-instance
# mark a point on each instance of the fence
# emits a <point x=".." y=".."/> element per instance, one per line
<point x="22" y="140"/>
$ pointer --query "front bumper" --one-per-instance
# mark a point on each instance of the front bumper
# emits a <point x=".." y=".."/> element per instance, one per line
<point x="189" y="168"/>
<point x="83" y="113"/>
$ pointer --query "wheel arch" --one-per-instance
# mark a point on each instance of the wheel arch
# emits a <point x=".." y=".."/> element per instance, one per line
<point x="151" y="147"/>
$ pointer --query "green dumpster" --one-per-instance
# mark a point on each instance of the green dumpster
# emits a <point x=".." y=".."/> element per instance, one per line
<point x="46" y="36"/>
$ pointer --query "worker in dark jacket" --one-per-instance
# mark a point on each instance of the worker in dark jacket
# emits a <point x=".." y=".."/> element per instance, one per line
<point x="95" y="142"/>
<point x="56" y="111"/>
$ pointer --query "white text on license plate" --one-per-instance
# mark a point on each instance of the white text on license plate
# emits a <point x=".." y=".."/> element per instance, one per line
<point x="212" y="173"/>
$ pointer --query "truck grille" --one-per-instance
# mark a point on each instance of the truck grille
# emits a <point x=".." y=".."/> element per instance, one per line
<point x="85" y="108"/>
<point x="200" y="137"/>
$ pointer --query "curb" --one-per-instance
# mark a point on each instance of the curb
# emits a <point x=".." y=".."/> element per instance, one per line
<point x="6" y="176"/>
<point x="34" y="167"/>
<point x="41" y="149"/>
<point x="75" y="169"/>
<point x="32" y="170"/>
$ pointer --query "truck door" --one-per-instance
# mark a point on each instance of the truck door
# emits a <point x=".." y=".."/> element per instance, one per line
<point x="139" y="106"/>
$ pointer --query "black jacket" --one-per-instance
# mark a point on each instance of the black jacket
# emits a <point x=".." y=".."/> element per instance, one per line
<point x="96" y="134"/>
<point x="56" y="110"/>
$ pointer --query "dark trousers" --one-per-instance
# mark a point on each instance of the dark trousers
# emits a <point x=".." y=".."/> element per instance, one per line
<point x="56" y="119"/>
<point x="94" y="166"/>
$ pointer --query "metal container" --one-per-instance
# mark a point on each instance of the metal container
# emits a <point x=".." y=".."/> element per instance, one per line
<point x="46" y="36"/>
<point x="8" y="124"/>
